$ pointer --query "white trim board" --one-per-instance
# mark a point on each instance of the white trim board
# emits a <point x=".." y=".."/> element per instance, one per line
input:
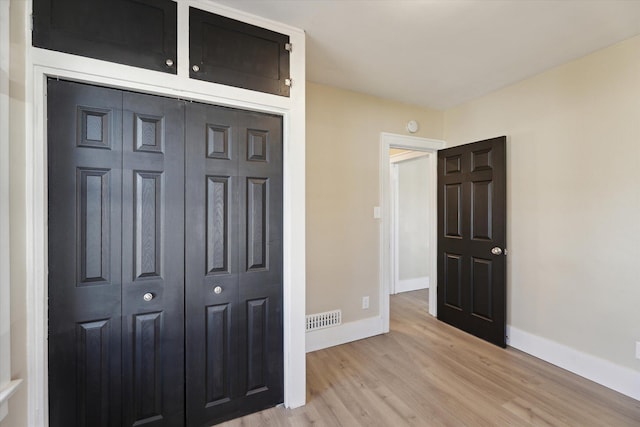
<point x="7" y="387"/>
<point x="347" y="332"/>
<point x="619" y="378"/>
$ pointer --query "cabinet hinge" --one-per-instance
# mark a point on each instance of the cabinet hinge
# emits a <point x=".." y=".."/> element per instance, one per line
<point x="288" y="47"/>
<point x="31" y="22"/>
<point x="288" y="82"/>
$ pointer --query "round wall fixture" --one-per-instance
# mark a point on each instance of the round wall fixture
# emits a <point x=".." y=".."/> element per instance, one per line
<point x="412" y="126"/>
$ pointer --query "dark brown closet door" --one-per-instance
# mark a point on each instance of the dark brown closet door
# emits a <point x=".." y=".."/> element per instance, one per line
<point x="115" y="234"/>
<point x="234" y="263"/>
<point x="153" y="260"/>
<point x="84" y="179"/>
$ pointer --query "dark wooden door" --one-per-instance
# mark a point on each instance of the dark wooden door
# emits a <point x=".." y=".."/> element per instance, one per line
<point x="116" y="197"/>
<point x="472" y="237"/>
<point x="234" y="263"/>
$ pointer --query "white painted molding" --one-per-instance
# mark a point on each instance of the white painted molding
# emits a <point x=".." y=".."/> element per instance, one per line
<point x="619" y="378"/>
<point x="414" y="284"/>
<point x="7" y="387"/>
<point x="431" y="147"/>
<point x="5" y="393"/>
<point x="347" y="332"/>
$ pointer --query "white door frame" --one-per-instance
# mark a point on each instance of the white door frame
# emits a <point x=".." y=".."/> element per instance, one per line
<point x="431" y="146"/>
<point x="394" y="274"/>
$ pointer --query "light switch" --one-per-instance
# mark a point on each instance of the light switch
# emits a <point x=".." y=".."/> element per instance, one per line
<point x="376" y="212"/>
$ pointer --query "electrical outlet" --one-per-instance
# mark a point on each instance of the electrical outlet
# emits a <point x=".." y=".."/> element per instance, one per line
<point x="637" y="349"/>
<point x="365" y="303"/>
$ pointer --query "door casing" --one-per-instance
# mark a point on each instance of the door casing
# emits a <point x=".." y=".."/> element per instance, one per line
<point x="431" y="146"/>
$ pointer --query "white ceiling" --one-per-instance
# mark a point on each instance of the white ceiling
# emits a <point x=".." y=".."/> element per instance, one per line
<point x="440" y="53"/>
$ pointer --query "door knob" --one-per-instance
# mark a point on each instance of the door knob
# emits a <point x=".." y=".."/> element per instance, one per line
<point x="148" y="296"/>
<point x="496" y="251"/>
<point x="217" y="289"/>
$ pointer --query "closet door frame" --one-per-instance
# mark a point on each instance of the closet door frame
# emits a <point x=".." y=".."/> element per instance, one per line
<point x="41" y="64"/>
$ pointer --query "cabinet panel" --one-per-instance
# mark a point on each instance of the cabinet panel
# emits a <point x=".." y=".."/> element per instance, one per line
<point x="237" y="54"/>
<point x="141" y="33"/>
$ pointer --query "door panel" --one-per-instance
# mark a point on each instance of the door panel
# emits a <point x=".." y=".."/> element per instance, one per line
<point x="260" y="171"/>
<point x="234" y="215"/>
<point x="153" y="260"/>
<point x="84" y="186"/>
<point x="472" y="221"/>
<point x="212" y="222"/>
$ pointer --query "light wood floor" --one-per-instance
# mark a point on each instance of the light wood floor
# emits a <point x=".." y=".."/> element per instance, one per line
<point x="426" y="373"/>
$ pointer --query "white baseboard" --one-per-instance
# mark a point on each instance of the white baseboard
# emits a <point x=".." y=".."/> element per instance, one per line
<point x="408" y="285"/>
<point x="619" y="378"/>
<point x="347" y="332"/>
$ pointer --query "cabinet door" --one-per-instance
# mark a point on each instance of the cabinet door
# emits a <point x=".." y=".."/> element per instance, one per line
<point x="141" y="33"/>
<point x="223" y="50"/>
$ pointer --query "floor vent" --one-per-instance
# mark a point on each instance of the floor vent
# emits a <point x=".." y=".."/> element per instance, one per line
<point x="324" y="320"/>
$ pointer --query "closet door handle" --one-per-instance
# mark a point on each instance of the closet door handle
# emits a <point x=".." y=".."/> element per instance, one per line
<point x="217" y="290"/>
<point x="147" y="297"/>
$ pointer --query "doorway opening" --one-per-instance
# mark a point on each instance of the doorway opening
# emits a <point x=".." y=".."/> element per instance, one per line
<point x="410" y="218"/>
<point x="408" y="149"/>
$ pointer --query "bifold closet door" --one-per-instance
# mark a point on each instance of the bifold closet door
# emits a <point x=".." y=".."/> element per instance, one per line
<point x="165" y="260"/>
<point x="115" y="227"/>
<point x="233" y="263"/>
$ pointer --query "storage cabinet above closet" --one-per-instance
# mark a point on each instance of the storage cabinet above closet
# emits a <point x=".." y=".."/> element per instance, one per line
<point x="234" y="53"/>
<point x="144" y="33"/>
<point x="141" y="33"/>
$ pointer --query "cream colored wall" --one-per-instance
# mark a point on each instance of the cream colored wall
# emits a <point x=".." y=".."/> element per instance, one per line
<point x="343" y="144"/>
<point x="573" y="164"/>
<point x="18" y="403"/>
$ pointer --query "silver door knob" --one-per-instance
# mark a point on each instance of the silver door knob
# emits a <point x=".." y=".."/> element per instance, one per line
<point x="169" y="62"/>
<point x="217" y="289"/>
<point x="148" y="296"/>
<point x="496" y="251"/>
<point x="195" y="68"/>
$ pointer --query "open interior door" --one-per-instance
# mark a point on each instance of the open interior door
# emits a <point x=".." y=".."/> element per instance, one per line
<point x="472" y="237"/>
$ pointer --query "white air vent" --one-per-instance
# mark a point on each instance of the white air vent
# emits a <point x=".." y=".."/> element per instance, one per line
<point x="324" y="320"/>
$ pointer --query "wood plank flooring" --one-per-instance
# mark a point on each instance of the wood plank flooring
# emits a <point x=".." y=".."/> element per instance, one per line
<point x="426" y="373"/>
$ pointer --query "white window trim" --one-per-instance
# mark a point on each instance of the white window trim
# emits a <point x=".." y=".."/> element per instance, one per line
<point x="7" y="387"/>
<point x="42" y="63"/>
